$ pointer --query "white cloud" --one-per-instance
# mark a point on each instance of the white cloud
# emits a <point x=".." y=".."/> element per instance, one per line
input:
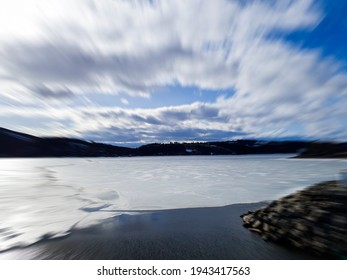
<point x="133" y="46"/>
<point x="124" y="101"/>
<point x="67" y="48"/>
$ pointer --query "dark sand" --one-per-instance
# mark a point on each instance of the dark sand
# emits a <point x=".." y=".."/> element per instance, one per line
<point x="196" y="233"/>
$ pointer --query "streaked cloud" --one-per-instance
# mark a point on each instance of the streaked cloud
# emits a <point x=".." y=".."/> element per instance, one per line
<point x="54" y="55"/>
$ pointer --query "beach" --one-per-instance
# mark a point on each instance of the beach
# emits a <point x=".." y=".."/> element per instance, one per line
<point x="192" y="233"/>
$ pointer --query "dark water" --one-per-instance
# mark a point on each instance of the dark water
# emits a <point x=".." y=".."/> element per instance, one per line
<point x="198" y="233"/>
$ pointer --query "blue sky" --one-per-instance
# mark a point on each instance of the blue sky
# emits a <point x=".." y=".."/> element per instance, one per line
<point x="134" y="72"/>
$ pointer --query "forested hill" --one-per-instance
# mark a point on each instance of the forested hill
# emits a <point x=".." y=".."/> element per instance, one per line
<point x="16" y="144"/>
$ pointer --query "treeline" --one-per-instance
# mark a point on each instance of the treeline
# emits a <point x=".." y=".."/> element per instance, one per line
<point x="16" y="144"/>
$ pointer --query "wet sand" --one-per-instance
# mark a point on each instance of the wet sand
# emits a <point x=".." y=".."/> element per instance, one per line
<point x="195" y="233"/>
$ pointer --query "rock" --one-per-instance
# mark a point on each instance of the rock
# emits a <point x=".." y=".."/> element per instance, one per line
<point x="297" y="233"/>
<point x="318" y="231"/>
<point x="246" y="218"/>
<point x="313" y="219"/>
<point x="301" y="226"/>
<point x="297" y="243"/>
<point x="266" y="227"/>
<point x="255" y="230"/>
<point x="278" y="209"/>
<point x="339" y="221"/>
<point x="257" y="224"/>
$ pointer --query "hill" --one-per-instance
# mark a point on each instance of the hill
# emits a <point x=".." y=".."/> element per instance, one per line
<point x="17" y="144"/>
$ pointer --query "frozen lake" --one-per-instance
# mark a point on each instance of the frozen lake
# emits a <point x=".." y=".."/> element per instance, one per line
<point x="49" y="197"/>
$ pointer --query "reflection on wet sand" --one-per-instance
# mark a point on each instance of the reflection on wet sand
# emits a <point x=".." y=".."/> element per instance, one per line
<point x="197" y="233"/>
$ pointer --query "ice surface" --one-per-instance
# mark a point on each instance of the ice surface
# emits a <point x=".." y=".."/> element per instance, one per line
<point x="45" y="198"/>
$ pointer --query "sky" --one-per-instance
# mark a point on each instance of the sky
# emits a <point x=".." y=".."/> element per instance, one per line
<point x="136" y="72"/>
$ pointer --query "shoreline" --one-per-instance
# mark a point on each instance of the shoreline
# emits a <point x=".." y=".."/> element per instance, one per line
<point x="191" y="233"/>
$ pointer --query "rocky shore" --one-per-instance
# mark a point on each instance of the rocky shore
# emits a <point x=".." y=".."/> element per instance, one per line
<point x="314" y="219"/>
